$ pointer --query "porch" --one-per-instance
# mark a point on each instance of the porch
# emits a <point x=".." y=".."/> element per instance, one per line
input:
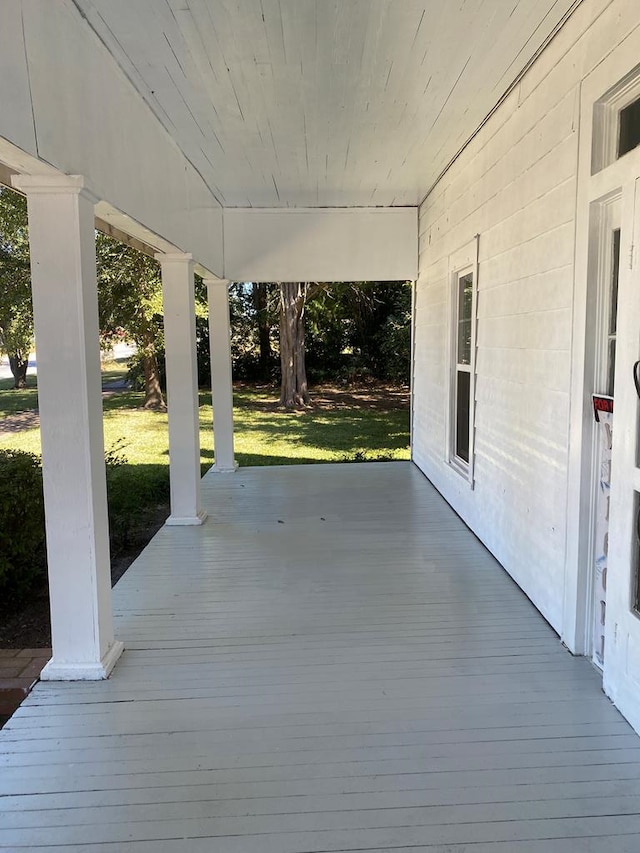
<point x="331" y="662"/>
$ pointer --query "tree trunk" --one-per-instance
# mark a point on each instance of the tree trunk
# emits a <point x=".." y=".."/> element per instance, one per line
<point x="153" y="398"/>
<point x="19" y="366"/>
<point x="293" y="390"/>
<point x="264" y="330"/>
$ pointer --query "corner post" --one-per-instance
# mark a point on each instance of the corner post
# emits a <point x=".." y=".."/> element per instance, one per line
<point x="182" y="388"/>
<point x="221" y="378"/>
<point x="65" y="306"/>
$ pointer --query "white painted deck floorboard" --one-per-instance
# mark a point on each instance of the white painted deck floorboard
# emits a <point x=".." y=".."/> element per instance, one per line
<point x="331" y="663"/>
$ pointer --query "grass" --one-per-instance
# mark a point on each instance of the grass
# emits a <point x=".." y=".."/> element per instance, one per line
<point x="13" y="401"/>
<point x="264" y="435"/>
<point x="27" y="398"/>
<point x="114" y="369"/>
<point x="340" y="426"/>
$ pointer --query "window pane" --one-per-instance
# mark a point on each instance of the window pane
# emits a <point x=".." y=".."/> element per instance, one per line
<point x="465" y="299"/>
<point x="463" y="395"/>
<point x="635" y="595"/>
<point x="629" y="128"/>
<point x="611" y="366"/>
<point x="615" y="274"/>
<point x="613" y="312"/>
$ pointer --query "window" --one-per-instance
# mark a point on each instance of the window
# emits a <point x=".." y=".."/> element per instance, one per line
<point x="462" y="387"/>
<point x="616" y="122"/>
<point x="461" y="390"/>
<point x="635" y="551"/>
<point x="462" y="400"/>
<point x="613" y="311"/>
<point x="629" y="128"/>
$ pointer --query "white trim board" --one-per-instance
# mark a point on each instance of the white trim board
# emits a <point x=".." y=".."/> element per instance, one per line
<point x="328" y="244"/>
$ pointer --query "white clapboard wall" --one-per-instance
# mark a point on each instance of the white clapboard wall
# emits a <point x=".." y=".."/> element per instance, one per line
<point x="515" y="186"/>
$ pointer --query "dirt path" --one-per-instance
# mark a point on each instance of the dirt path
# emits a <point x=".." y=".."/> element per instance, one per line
<point x="29" y="419"/>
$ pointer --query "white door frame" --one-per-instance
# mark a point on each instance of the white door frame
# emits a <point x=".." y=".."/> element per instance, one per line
<point x="593" y="191"/>
<point x="621" y="679"/>
<point x="606" y="217"/>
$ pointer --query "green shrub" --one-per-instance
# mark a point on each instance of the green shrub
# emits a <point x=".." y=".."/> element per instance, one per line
<point x="22" y="537"/>
<point x="395" y="346"/>
<point x="134" y="493"/>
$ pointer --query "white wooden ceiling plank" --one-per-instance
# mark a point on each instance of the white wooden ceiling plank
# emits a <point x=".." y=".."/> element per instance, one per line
<point x="221" y="53"/>
<point x="459" y="111"/>
<point x="310" y="102"/>
<point x="165" y="71"/>
<point x="508" y="45"/>
<point x="534" y="31"/>
<point x="114" y="43"/>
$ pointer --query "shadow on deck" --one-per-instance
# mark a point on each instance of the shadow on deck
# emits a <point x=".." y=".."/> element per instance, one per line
<point x="333" y="662"/>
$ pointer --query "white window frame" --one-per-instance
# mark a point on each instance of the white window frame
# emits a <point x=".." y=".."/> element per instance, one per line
<point x="606" y="120"/>
<point x="462" y="263"/>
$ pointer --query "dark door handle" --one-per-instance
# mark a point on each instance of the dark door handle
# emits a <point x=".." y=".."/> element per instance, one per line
<point x="636" y="376"/>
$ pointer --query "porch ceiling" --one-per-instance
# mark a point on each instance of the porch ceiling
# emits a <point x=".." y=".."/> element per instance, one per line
<point x="322" y="102"/>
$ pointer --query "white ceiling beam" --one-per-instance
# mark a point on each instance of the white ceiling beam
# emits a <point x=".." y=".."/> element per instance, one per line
<point x="341" y="244"/>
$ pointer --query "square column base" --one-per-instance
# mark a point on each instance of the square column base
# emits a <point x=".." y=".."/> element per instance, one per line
<point x="84" y="671"/>
<point x="224" y="469"/>
<point x="186" y="520"/>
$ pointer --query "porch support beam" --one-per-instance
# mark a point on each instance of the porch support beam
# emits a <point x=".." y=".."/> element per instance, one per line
<point x="65" y="305"/>
<point x="221" y="377"/>
<point x="182" y="388"/>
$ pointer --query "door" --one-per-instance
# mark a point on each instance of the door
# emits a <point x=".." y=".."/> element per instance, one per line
<point x="622" y="630"/>
<point x="603" y="411"/>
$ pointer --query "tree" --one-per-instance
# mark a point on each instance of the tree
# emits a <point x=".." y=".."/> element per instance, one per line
<point x="16" y="310"/>
<point x="362" y="326"/>
<point x="263" y="320"/>
<point x="327" y="331"/>
<point x="130" y="306"/>
<point x="293" y="389"/>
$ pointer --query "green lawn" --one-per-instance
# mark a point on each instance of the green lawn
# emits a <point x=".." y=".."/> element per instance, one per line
<point x="340" y="426"/>
<point x="12" y="401"/>
<point x="264" y="434"/>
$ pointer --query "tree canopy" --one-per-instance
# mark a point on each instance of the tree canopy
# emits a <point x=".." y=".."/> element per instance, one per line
<point x="16" y="309"/>
<point x="280" y="330"/>
<point x="130" y="308"/>
<point x="339" y="331"/>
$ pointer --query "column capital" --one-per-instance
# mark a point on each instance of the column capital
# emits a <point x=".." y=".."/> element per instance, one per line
<point x="174" y="257"/>
<point x="211" y="281"/>
<point x="52" y="185"/>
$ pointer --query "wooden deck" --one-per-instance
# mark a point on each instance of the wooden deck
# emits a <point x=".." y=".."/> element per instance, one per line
<point x="331" y="663"/>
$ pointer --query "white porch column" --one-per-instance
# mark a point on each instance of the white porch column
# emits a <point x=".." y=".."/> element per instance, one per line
<point x="221" y="379"/>
<point x="182" y="388"/>
<point x="65" y="305"/>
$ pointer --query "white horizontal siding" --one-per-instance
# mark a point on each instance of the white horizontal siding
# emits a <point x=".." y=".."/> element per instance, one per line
<point x="515" y="186"/>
